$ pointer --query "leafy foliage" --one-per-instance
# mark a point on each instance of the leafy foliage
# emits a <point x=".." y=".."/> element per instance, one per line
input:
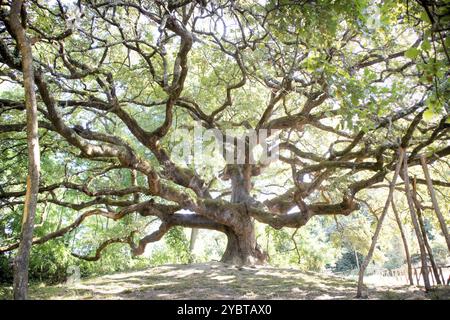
<point x="342" y="82"/>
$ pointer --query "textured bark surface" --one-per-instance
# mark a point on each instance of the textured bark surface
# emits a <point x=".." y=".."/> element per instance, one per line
<point x="21" y="260"/>
<point x="242" y="247"/>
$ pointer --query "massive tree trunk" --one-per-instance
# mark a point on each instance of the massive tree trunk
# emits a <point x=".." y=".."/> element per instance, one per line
<point x="242" y="247"/>
<point x="21" y="260"/>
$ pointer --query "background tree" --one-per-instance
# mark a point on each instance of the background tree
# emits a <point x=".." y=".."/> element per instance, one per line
<point x="21" y="262"/>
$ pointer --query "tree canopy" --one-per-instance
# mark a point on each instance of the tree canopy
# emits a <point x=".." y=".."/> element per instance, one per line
<point x="339" y="87"/>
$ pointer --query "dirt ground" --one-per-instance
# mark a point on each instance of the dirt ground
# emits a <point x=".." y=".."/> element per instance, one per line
<point x="219" y="281"/>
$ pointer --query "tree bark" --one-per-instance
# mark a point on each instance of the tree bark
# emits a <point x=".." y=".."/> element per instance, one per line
<point x="194" y="234"/>
<point x="415" y="222"/>
<point x="21" y="260"/>
<point x="405" y="243"/>
<point x="242" y="247"/>
<point x="439" y="215"/>
<point x="240" y="183"/>
<point x="424" y="233"/>
<point x="368" y="258"/>
<point x="356" y="258"/>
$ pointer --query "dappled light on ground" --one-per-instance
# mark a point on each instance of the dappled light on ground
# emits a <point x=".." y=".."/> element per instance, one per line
<point x="220" y="281"/>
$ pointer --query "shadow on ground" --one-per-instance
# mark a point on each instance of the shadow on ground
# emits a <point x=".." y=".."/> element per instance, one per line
<point x="220" y="281"/>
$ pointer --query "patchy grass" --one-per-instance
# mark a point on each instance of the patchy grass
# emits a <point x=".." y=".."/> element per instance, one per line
<point x="220" y="281"/>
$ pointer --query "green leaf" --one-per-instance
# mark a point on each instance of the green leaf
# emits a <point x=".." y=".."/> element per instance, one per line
<point x="426" y="45"/>
<point x="428" y="115"/>
<point x="447" y="42"/>
<point x="412" y="53"/>
<point x="424" y="17"/>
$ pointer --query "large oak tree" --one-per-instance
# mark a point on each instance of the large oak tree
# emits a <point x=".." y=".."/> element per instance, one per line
<point x="342" y="85"/>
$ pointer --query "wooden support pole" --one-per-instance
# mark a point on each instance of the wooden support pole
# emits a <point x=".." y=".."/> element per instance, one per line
<point x="415" y="223"/>
<point x="368" y="258"/>
<point x="439" y="215"/>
